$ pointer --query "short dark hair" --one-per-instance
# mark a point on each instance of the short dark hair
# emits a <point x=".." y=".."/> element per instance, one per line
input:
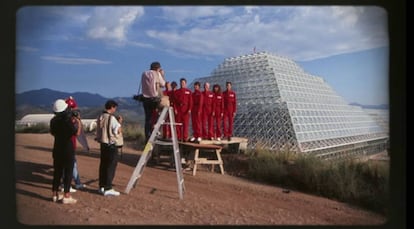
<point x="183" y="79"/>
<point x="197" y="83"/>
<point x="173" y="84"/>
<point x="155" y="65"/>
<point x="228" y="82"/>
<point x="110" y="103"/>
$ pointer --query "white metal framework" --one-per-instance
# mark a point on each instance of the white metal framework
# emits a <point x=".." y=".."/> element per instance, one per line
<point x="281" y="107"/>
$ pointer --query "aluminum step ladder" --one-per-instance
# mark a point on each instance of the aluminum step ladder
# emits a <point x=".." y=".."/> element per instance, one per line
<point x="146" y="153"/>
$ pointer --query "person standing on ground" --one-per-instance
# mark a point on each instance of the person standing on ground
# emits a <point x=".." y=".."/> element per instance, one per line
<point x="77" y="121"/>
<point x="76" y="112"/>
<point x="107" y="131"/>
<point x="63" y="129"/>
<point x="151" y="81"/>
<point x="183" y="102"/>
<point x="196" y="114"/>
<point x="207" y="113"/>
<point x="218" y="107"/>
<point x="229" y="100"/>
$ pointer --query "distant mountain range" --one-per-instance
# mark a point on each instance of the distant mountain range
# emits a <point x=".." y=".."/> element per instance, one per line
<point x="41" y="101"/>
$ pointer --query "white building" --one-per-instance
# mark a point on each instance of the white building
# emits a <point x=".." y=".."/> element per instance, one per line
<point x="36" y="119"/>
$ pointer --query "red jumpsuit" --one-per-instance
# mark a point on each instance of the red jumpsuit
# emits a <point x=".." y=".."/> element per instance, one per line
<point x="196" y="112"/>
<point x="218" y="107"/>
<point x="183" y="103"/>
<point x="207" y="113"/>
<point x="166" y="131"/>
<point x="229" y="100"/>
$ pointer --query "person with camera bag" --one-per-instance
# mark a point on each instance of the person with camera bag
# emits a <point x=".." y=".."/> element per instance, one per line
<point x="62" y="128"/>
<point x="76" y="119"/>
<point x="151" y="82"/>
<point x="108" y="130"/>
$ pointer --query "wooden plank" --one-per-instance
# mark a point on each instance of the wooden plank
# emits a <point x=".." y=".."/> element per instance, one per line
<point x="200" y="146"/>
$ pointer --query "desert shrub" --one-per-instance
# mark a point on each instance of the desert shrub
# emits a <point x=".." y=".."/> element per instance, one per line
<point x="134" y="132"/>
<point x="360" y="183"/>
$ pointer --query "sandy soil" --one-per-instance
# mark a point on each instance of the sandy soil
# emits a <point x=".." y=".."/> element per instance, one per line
<point x="210" y="198"/>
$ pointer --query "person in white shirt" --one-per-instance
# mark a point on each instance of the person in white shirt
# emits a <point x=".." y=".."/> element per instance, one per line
<point x="151" y="81"/>
<point x="107" y="131"/>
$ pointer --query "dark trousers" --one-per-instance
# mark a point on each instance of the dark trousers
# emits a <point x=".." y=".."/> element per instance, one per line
<point x="183" y="118"/>
<point x="149" y="108"/>
<point x="107" y="166"/>
<point x="64" y="170"/>
<point x="228" y="120"/>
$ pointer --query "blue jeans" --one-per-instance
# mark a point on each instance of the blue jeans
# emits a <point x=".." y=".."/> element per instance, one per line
<point x="75" y="173"/>
<point x="76" y="177"/>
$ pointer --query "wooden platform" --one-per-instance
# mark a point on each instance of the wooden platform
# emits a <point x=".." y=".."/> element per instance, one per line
<point x="236" y="145"/>
<point x="196" y="147"/>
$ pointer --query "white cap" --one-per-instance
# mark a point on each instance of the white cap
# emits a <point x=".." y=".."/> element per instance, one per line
<point x="59" y="105"/>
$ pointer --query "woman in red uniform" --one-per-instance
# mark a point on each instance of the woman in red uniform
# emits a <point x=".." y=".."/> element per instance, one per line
<point x="207" y="113"/>
<point x="196" y="112"/>
<point x="218" y="107"/>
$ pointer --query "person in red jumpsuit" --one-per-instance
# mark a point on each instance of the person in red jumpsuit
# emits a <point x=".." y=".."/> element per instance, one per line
<point x="171" y="95"/>
<point x="207" y="113"/>
<point x="229" y="100"/>
<point x="218" y="107"/>
<point x="196" y="114"/>
<point x="166" y="131"/>
<point x="183" y="102"/>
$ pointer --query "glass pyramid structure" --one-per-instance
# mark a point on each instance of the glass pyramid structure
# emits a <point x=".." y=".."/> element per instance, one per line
<point x="283" y="108"/>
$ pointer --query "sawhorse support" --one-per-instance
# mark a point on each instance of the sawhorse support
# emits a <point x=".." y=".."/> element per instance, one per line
<point x="199" y="160"/>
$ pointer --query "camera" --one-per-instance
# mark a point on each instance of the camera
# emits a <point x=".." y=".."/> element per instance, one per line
<point x="75" y="114"/>
<point x="138" y="97"/>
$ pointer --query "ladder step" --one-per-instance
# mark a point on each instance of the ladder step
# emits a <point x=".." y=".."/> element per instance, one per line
<point x="174" y="123"/>
<point x="164" y="143"/>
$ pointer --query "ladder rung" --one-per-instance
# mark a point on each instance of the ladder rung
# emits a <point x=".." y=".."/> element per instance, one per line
<point x="174" y="123"/>
<point x="164" y="143"/>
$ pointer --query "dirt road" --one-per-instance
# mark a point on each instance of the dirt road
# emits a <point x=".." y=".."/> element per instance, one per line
<point x="209" y="199"/>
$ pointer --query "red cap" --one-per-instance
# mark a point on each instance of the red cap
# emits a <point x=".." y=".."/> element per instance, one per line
<point x="71" y="102"/>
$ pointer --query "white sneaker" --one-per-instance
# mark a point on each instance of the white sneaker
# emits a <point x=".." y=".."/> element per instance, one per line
<point x="70" y="190"/>
<point x="192" y="139"/>
<point x="69" y="200"/>
<point x="57" y="198"/>
<point x="101" y="190"/>
<point x="198" y="139"/>
<point x="183" y="161"/>
<point x="111" y="192"/>
<point x="80" y="186"/>
<point x="218" y="139"/>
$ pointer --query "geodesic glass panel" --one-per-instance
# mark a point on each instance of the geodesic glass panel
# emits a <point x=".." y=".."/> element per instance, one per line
<point x="282" y="107"/>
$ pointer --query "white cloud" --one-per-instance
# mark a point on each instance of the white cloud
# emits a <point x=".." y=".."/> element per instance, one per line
<point x="301" y="33"/>
<point x="70" y="60"/>
<point x="112" y="23"/>
<point x="187" y="14"/>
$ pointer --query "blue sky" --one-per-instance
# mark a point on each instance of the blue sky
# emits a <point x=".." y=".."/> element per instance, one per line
<point x="103" y="49"/>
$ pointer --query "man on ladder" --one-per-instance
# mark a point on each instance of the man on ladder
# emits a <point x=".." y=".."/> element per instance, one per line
<point x="151" y="82"/>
